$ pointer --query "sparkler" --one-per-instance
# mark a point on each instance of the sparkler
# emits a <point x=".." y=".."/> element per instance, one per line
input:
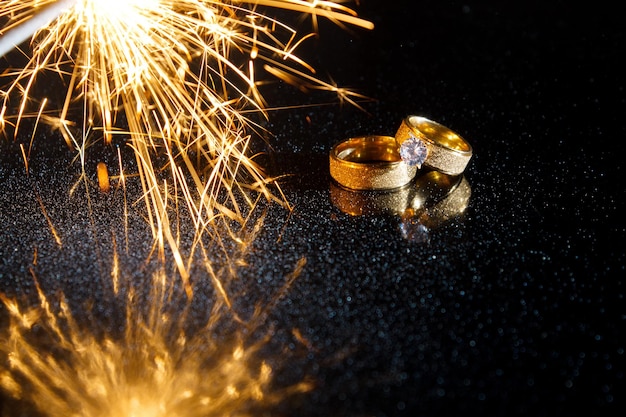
<point x="26" y="29"/>
<point x="176" y="80"/>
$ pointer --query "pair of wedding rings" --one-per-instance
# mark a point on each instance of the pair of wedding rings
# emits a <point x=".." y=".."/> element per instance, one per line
<point x="378" y="162"/>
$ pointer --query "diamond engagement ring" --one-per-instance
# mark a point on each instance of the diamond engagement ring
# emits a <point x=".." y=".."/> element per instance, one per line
<point x="369" y="163"/>
<point x="424" y="142"/>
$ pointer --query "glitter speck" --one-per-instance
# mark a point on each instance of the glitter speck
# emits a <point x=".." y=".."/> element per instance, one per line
<point x="413" y="152"/>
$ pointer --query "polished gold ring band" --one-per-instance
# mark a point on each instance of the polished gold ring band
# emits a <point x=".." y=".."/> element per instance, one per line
<point x="369" y="163"/>
<point x="423" y="141"/>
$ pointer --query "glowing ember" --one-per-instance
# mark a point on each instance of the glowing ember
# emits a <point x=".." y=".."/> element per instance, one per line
<point x="103" y="177"/>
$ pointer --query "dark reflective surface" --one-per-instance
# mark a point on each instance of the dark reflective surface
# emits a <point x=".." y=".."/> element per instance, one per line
<point x="515" y="307"/>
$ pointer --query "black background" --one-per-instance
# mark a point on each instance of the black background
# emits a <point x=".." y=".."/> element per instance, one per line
<point x="515" y="308"/>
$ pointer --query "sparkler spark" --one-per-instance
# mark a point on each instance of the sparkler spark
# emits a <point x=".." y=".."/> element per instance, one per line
<point x="175" y="80"/>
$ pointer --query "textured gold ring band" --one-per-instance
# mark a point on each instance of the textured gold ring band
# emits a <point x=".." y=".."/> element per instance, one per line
<point x="423" y="141"/>
<point x="369" y="163"/>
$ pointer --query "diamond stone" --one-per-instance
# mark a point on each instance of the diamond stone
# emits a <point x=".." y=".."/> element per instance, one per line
<point x="413" y="151"/>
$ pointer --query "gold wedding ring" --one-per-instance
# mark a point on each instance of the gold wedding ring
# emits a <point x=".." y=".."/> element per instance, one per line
<point x="422" y="141"/>
<point x="369" y="163"/>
